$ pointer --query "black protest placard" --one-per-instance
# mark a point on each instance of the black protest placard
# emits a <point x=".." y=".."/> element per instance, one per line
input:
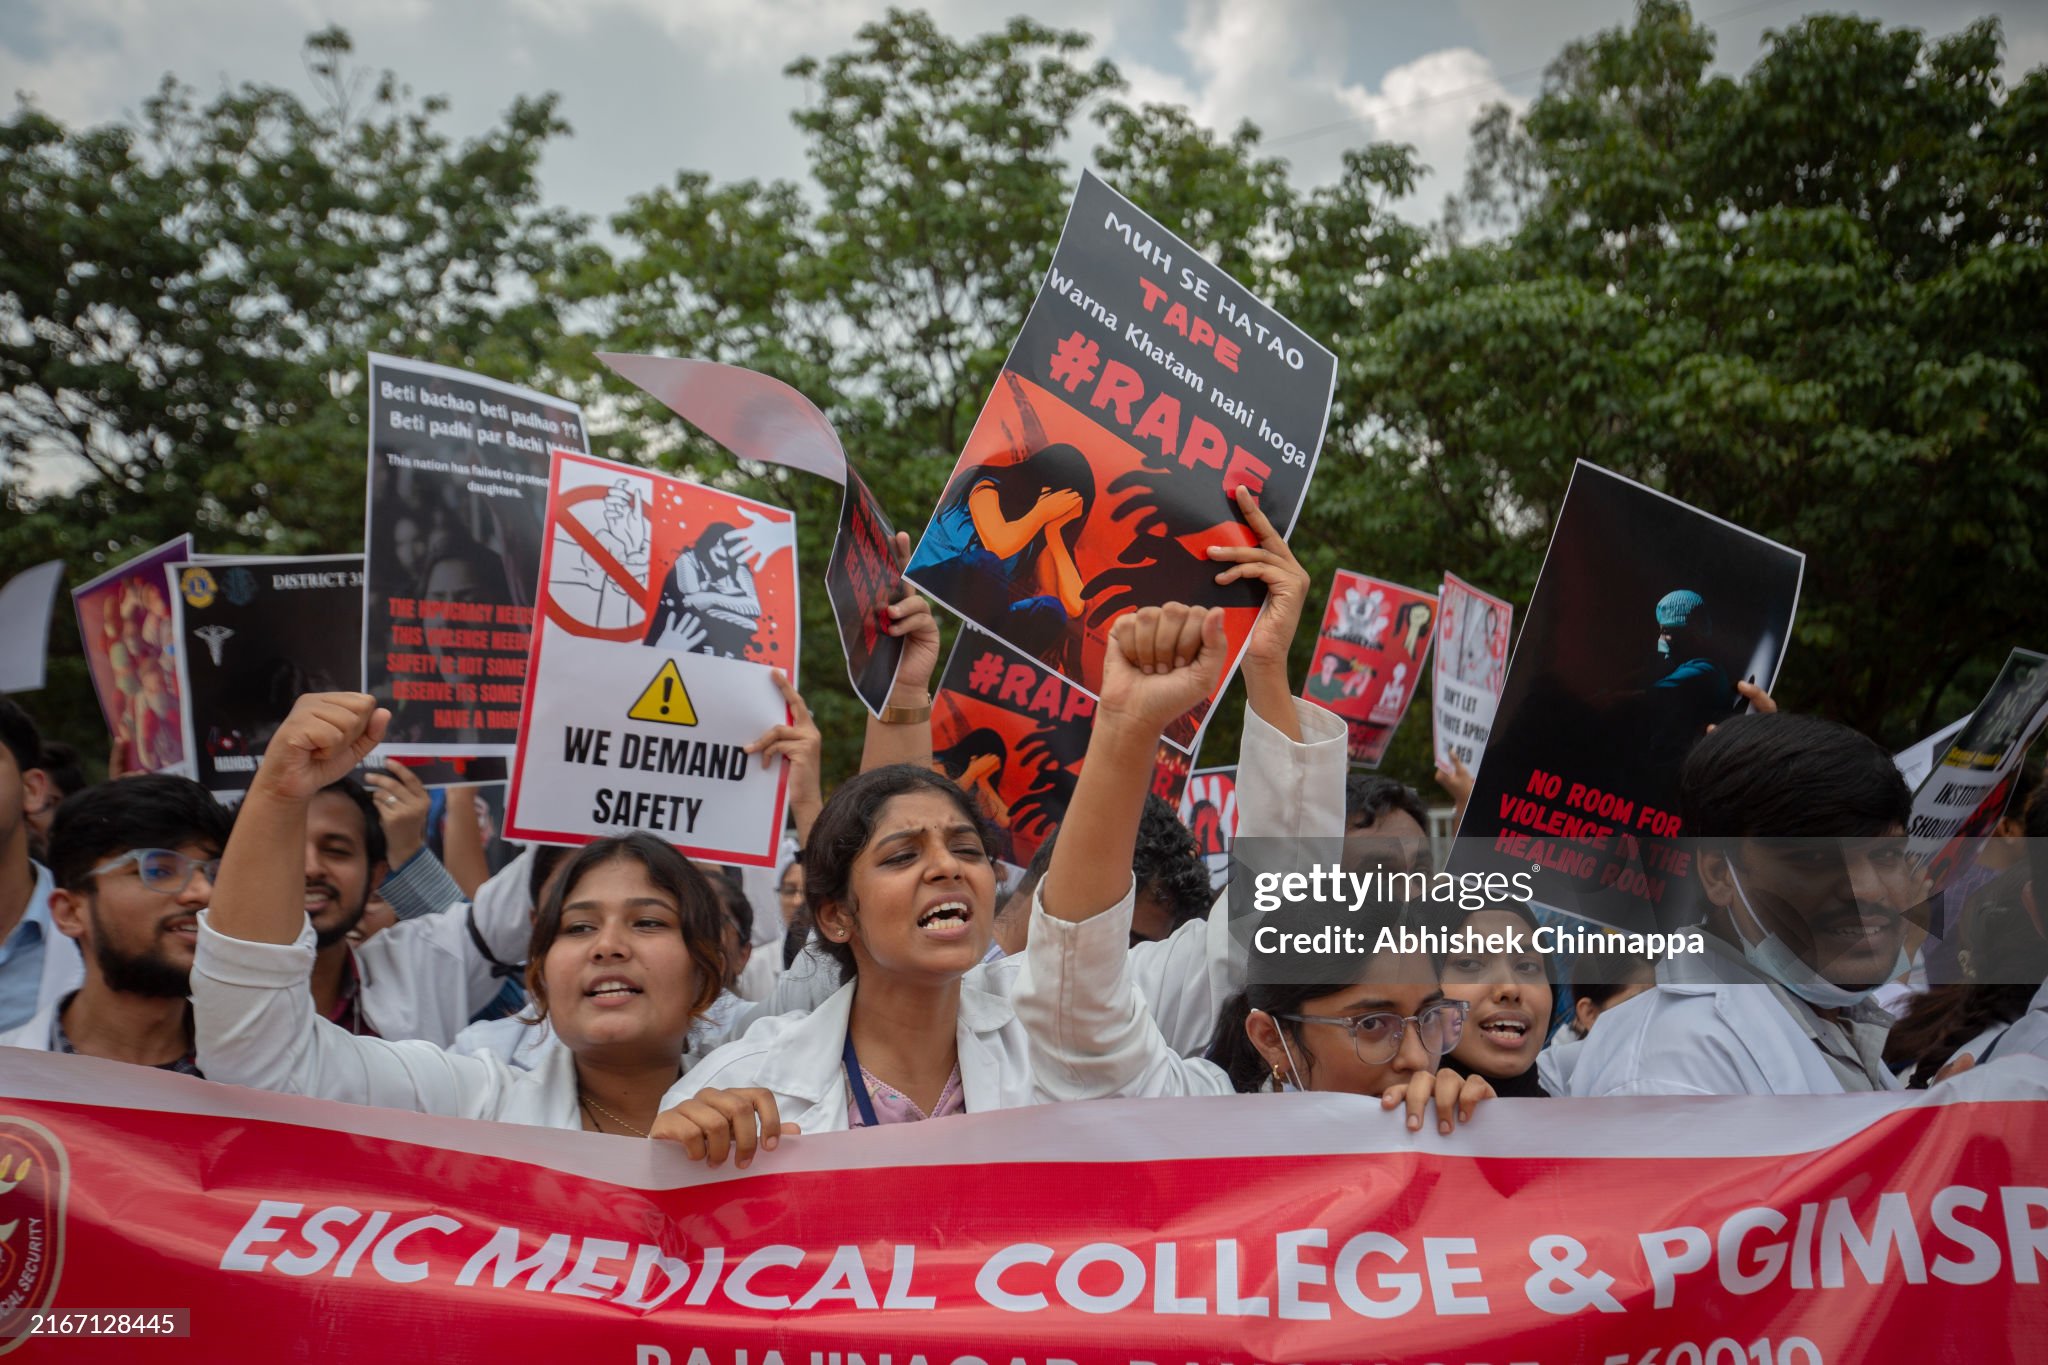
<point x="1646" y="615"/>
<point x="1145" y="387"/>
<point x="457" y="493"/>
<point x="253" y="635"/>
<point x="862" y="578"/>
<point x="1966" y="792"/>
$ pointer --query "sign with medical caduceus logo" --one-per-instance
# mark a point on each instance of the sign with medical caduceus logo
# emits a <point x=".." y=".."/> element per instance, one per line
<point x="663" y="607"/>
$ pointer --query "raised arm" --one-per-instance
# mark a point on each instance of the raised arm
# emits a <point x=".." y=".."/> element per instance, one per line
<point x="798" y="743"/>
<point x="260" y="894"/>
<point x="1088" y="1031"/>
<point x="908" y="740"/>
<point x="1161" y="661"/>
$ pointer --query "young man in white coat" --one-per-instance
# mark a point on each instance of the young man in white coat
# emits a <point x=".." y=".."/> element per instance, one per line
<point x="1795" y="823"/>
<point x="421" y="978"/>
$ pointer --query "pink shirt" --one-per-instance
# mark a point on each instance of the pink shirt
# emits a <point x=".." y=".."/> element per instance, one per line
<point x="893" y="1106"/>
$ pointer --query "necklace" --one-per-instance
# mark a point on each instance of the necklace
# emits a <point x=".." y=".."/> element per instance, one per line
<point x="596" y="1108"/>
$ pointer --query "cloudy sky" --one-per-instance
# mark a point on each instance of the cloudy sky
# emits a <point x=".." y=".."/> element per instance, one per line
<point x="654" y="86"/>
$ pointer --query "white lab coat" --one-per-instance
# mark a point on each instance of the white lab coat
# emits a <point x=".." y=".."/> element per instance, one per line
<point x="757" y="980"/>
<point x="1089" y="1031"/>
<point x="63" y="968"/>
<point x="423" y="978"/>
<point x="2028" y="1034"/>
<point x="1692" y="1036"/>
<point x="255" y="1025"/>
<point x="1284" y="789"/>
<point x="1007" y="1030"/>
<point x="800" y="1058"/>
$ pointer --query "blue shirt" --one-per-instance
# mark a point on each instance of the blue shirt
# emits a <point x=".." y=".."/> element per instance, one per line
<point x="21" y="956"/>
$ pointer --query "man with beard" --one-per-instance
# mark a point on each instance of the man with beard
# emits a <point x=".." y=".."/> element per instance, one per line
<point x="421" y="978"/>
<point x="1798" y="828"/>
<point x="37" y="964"/>
<point x="133" y="863"/>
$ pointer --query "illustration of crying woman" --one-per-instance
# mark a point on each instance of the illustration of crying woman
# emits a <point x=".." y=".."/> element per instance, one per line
<point x="709" y="603"/>
<point x="1000" y="549"/>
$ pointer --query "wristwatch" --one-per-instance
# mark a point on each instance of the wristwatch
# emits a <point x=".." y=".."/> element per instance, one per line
<point x="906" y="715"/>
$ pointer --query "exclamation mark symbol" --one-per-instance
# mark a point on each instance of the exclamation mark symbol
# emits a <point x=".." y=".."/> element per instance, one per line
<point x="668" y="688"/>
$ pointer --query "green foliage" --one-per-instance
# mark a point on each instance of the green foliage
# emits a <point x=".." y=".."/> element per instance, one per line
<point x="1807" y="299"/>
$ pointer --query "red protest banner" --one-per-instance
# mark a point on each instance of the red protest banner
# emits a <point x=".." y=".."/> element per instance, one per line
<point x="1796" y="1231"/>
<point x="1368" y="658"/>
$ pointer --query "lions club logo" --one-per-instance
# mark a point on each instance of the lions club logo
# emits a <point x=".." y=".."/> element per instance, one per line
<point x="198" y="587"/>
<point x="34" y="1173"/>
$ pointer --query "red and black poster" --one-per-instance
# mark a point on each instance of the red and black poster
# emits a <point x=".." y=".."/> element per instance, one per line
<point x="458" y="481"/>
<point x="758" y="417"/>
<point x="1012" y="734"/>
<point x="1208" y="807"/>
<point x="1369" y="658"/>
<point x="1145" y="387"/>
<point x="1646" y="615"/>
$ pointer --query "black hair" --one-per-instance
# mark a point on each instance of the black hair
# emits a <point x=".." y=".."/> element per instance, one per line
<point x="1368" y="796"/>
<point x="65" y="769"/>
<point x="546" y="858"/>
<point x="697" y="907"/>
<point x="1231" y="1047"/>
<point x="373" y="825"/>
<point x="733" y="898"/>
<point x="1789" y="776"/>
<point x="18" y="732"/>
<point x="1017" y="483"/>
<point x="1167" y="863"/>
<point x="149" y="810"/>
<point x="1942" y="1018"/>
<point x="1599" y="976"/>
<point x="847" y="822"/>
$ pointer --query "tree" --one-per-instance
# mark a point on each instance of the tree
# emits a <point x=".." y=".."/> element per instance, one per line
<point x="1806" y="300"/>
<point x="189" y="303"/>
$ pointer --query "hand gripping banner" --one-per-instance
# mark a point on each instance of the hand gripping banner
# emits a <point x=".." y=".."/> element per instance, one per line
<point x="1305" y="1228"/>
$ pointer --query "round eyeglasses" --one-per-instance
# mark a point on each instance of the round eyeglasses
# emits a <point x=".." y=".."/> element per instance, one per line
<point x="1376" y="1037"/>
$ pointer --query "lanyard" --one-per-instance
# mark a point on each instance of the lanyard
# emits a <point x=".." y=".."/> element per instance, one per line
<point x="859" y="1086"/>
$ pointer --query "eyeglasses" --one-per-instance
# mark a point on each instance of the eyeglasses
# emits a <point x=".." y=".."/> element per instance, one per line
<point x="162" y="870"/>
<point x="1376" y="1037"/>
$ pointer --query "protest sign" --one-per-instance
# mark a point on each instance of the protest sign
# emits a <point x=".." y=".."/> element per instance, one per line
<point x="1962" y="799"/>
<point x="758" y="417"/>
<point x="452" y="533"/>
<point x="1471" y="668"/>
<point x="1012" y="734"/>
<point x="1208" y="807"/>
<point x="1916" y="760"/>
<point x="1145" y="387"/>
<point x="253" y="634"/>
<point x="25" y="603"/>
<point x="1368" y="658"/>
<point x="124" y="627"/>
<point x="650" y="666"/>
<point x="1802" y="1230"/>
<point x="1646" y="614"/>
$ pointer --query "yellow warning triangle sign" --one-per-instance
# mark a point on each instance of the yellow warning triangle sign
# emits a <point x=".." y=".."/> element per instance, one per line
<point x="665" y="699"/>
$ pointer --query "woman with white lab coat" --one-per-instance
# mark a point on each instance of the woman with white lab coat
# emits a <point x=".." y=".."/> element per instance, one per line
<point x="624" y="957"/>
<point x="1090" y="1036"/>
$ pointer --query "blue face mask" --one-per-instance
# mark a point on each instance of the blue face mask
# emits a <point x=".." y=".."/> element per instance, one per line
<point x="1663" y="646"/>
<point x="1774" y="958"/>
